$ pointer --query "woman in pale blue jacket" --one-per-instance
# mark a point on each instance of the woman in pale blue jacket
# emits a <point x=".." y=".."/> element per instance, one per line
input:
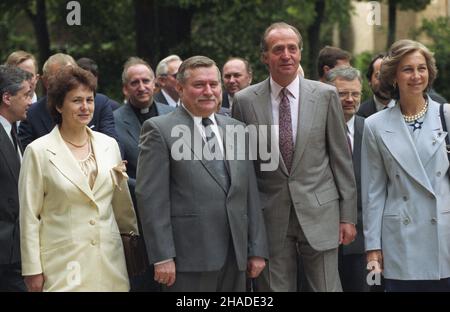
<point x="405" y="183"/>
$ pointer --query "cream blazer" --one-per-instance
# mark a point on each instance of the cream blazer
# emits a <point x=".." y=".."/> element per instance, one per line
<point x="70" y="232"/>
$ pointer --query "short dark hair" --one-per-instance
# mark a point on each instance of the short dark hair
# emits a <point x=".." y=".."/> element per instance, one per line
<point x="65" y="80"/>
<point x="329" y="56"/>
<point x="11" y="79"/>
<point x="193" y="63"/>
<point x="370" y="67"/>
<point x="89" y="65"/>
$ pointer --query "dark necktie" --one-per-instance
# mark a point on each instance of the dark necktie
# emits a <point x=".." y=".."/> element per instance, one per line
<point x="212" y="141"/>
<point x="286" y="140"/>
<point x="14" y="137"/>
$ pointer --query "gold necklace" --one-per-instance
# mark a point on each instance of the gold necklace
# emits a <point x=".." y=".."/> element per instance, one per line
<point x="76" y="145"/>
<point x="418" y="115"/>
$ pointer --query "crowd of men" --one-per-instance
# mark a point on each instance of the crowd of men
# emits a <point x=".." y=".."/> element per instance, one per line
<point x="207" y="223"/>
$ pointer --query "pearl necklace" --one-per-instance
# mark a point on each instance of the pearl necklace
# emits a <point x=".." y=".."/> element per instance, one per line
<point x="418" y="115"/>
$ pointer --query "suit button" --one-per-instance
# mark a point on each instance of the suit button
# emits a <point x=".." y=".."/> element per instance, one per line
<point x="92" y="222"/>
<point x="433" y="220"/>
<point x="406" y="221"/>
<point x="405" y="198"/>
<point x="438" y="173"/>
<point x="93" y="242"/>
<point x="397" y="176"/>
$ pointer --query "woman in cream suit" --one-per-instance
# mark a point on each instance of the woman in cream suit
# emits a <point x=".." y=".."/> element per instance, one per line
<point x="405" y="182"/>
<point x="74" y="199"/>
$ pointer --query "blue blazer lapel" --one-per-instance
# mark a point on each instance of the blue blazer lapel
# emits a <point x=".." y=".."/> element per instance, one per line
<point x="399" y="142"/>
<point x="431" y="137"/>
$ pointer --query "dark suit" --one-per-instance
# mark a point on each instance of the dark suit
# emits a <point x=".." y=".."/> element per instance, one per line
<point x="103" y="98"/>
<point x="367" y="108"/>
<point x="352" y="266"/>
<point x="39" y="122"/>
<point x="187" y="211"/>
<point x="160" y="98"/>
<point x="225" y="101"/>
<point x="128" y="129"/>
<point x="10" y="276"/>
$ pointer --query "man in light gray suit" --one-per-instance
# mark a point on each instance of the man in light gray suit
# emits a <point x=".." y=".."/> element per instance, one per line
<point x="201" y="217"/>
<point x="309" y="200"/>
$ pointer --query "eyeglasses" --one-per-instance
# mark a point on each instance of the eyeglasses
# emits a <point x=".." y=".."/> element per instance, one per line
<point x="174" y="76"/>
<point x="346" y="94"/>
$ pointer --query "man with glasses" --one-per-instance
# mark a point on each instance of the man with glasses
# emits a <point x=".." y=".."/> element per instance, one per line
<point x="352" y="258"/>
<point x="166" y="75"/>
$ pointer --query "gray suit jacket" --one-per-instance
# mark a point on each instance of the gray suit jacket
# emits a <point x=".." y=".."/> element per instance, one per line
<point x="357" y="247"/>
<point x="128" y="129"/>
<point x="405" y="193"/>
<point x="321" y="185"/>
<point x="186" y="212"/>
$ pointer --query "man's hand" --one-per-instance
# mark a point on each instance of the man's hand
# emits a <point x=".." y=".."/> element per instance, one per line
<point x="347" y="233"/>
<point x="165" y="273"/>
<point x="255" y="265"/>
<point x="34" y="283"/>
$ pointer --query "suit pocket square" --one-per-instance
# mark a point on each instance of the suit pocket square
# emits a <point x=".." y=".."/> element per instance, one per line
<point x="119" y="173"/>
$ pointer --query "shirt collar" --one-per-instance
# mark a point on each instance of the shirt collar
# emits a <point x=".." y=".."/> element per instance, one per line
<point x="351" y="125"/>
<point x="293" y="88"/>
<point x="198" y="119"/>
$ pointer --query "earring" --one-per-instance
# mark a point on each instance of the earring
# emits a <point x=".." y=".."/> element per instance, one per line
<point x="394" y="84"/>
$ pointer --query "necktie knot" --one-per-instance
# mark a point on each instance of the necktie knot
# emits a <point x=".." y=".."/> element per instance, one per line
<point x="206" y="122"/>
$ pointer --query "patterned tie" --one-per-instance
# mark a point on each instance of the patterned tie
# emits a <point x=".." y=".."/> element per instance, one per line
<point x="218" y="164"/>
<point x="286" y="139"/>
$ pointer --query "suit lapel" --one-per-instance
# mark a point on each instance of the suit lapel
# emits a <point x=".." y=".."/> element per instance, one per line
<point x="196" y="144"/>
<point x="65" y="162"/>
<point x="306" y="114"/>
<point x="431" y="135"/>
<point x="9" y="153"/>
<point x="399" y="142"/>
<point x="133" y="124"/>
<point x="101" y="152"/>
